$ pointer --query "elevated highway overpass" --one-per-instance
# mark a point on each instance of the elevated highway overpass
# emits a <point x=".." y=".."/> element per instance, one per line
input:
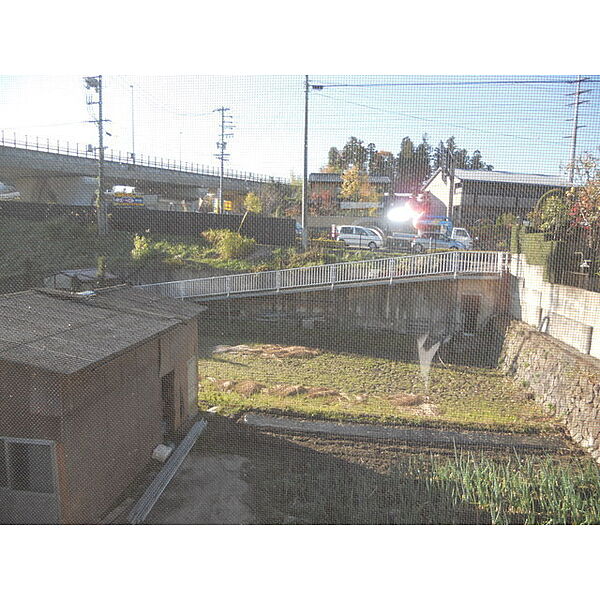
<point x="43" y="170"/>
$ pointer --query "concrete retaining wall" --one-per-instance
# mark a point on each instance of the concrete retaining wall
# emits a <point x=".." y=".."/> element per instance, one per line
<point x="569" y="314"/>
<point x="560" y="377"/>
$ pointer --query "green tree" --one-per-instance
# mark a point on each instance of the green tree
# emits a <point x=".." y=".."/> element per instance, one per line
<point x="334" y="161"/>
<point x="506" y="219"/>
<point x="354" y="153"/>
<point x="252" y="203"/>
<point x="585" y="211"/>
<point x="272" y="195"/>
<point x="405" y="169"/>
<point x="422" y="164"/>
<point x="553" y="211"/>
<point x="383" y="163"/>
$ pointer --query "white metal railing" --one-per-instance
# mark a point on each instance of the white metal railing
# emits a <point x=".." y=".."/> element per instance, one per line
<point x="42" y="144"/>
<point x="451" y="264"/>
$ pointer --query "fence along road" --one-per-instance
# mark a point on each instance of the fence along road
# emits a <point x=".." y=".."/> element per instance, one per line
<point x="421" y="267"/>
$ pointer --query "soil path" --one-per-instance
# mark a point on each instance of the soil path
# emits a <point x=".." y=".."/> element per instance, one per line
<point x="414" y="435"/>
<point x="207" y="490"/>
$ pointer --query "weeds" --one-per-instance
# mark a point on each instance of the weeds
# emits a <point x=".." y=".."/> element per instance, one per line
<point x="525" y="490"/>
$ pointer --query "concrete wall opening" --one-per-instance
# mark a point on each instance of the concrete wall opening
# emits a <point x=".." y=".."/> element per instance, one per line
<point x="470" y="305"/>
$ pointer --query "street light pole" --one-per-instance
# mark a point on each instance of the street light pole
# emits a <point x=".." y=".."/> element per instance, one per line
<point x="132" y="129"/>
<point x="305" y="175"/>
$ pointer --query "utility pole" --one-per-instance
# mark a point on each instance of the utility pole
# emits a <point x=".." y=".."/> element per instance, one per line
<point x="305" y="174"/>
<point x="102" y="218"/>
<point x="447" y="166"/>
<point x="450" y="156"/>
<point x="132" y="129"/>
<point x="222" y="145"/>
<point x="575" y="120"/>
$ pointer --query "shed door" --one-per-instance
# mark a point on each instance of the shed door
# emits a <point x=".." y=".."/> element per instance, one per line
<point x="168" y="401"/>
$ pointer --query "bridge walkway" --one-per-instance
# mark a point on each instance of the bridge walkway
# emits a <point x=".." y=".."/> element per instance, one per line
<point x="402" y="269"/>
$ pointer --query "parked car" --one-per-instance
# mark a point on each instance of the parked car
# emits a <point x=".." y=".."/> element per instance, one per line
<point x="432" y="241"/>
<point x="358" y="237"/>
<point x="460" y="234"/>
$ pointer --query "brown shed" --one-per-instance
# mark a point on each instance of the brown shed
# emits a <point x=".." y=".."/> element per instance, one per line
<point x="90" y="384"/>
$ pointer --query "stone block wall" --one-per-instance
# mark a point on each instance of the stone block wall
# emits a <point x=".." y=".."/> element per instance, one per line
<point x="560" y="377"/>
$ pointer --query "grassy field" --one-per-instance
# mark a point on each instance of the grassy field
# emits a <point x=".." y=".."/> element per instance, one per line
<point x="337" y="385"/>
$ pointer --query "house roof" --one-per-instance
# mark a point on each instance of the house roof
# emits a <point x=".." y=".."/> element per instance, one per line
<point x="337" y="178"/>
<point x="64" y="332"/>
<point x="508" y="177"/>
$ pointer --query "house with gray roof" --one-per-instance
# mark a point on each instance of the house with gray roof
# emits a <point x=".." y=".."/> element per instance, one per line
<point x="488" y="194"/>
<point x="90" y="384"/>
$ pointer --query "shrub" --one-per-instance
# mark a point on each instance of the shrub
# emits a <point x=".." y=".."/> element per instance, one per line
<point x="230" y="244"/>
<point x="327" y="243"/>
<point x="143" y="248"/>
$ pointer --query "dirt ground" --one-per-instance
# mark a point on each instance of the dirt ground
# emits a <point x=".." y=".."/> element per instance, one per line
<point x="238" y="474"/>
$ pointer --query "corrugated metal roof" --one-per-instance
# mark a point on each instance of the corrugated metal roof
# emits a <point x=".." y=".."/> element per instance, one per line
<point x="63" y="332"/>
<point x="506" y="177"/>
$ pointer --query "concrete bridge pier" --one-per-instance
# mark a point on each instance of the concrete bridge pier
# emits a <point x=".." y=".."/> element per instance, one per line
<point x="79" y="191"/>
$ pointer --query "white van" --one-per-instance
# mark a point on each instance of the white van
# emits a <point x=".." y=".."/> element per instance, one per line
<point x="358" y="237"/>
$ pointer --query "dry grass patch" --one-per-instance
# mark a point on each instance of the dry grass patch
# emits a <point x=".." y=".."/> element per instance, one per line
<point x="248" y="388"/>
<point x="407" y="399"/>
<point x="269" y="351"/>
<point x="284" y="391"/>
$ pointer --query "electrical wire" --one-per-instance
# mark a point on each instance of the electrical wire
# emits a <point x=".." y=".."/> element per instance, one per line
<point x="464" y="127"/>
<point x="456" y="83"/>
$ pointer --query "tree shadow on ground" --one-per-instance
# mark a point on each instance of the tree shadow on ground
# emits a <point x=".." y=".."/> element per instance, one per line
<point x="307" y="480"/>
<point x="481" y="350"/>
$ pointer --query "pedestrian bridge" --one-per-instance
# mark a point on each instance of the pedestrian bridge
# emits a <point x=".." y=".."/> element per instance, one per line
<point x="399" y="269"/>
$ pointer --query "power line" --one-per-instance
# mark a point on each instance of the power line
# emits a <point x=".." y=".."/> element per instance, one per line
<point x="464" y="127"/>
<point x="159" y="104"/>
<point x="456" y="83"/>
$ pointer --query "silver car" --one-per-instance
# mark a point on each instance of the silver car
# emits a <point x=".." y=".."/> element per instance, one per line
<point x="435" y="241"/>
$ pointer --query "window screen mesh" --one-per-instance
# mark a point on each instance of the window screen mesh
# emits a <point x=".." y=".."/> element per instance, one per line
<point x="389" y="286"/>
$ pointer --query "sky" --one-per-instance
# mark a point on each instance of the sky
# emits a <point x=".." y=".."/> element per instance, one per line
<point x="519" y="127"/>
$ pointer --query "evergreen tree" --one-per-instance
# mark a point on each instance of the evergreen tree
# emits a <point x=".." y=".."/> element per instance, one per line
<point x="334" y="161"/>
<point x="354" y="153"/>
<point x="422" y="164"/>
<point x="406" y="164"/>
<point x="383" y="164"/>
<point x="371" y="158"/>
